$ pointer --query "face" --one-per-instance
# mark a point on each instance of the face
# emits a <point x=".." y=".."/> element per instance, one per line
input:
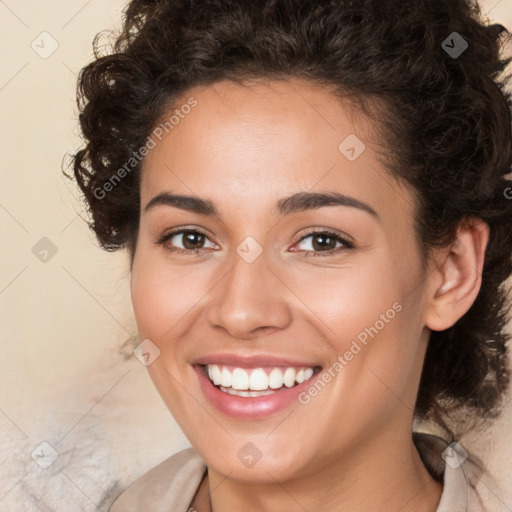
<point x="316" y="305"/>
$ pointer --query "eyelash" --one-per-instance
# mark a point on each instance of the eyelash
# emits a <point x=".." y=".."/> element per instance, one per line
<point x="331" y="234"/>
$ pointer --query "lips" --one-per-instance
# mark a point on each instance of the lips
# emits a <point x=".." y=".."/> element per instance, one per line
<point x="253" y="361"/>
<point x="237" y="398"/>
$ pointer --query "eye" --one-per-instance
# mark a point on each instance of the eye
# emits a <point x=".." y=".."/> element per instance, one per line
<point x="191" y="240"/>
<point x="325" y="241"/>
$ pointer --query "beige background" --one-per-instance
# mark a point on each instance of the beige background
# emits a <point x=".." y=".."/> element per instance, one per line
<point x="67" y="376"/>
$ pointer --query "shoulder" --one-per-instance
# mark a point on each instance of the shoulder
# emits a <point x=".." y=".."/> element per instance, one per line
<point x="171" y="485"/>
<point x="451" y="465"/>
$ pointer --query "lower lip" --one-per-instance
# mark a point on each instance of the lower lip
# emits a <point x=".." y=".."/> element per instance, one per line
<point x="249" y="407"/>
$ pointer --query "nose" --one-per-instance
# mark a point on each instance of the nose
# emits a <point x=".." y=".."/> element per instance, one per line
<point x="249" y="300"/>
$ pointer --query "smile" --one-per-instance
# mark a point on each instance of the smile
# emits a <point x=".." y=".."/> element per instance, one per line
<point x="255" y="382"/>
<point x="250" y="393"/>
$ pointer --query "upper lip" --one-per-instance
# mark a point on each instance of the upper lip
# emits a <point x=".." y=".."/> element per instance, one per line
<point x="251" y="361"/>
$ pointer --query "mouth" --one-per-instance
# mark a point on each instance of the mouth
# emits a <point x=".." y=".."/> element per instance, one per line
<point x="246" y="391"/>
<point x="256" y="382"/>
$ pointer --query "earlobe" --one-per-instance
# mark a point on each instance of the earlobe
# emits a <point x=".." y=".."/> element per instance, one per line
<point x="457" y="277"/>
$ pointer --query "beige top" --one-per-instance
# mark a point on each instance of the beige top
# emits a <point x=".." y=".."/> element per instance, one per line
<point x="171" y="485"/>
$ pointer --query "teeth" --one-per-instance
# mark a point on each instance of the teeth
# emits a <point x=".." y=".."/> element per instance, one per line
<point x="275" y="379"/>
<point x="240" y="379"/>
<point x="289" y="377"/>
<point x="243" y="382"/>
<point x="258" y="381"/>
<point x="214" y="374"/>
<point x="232" y="391"/>
<point x="225" y="378"/>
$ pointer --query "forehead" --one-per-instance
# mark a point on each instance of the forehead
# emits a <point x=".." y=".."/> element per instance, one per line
<point x="269" y="118"/>
<point x="259" y="140"/>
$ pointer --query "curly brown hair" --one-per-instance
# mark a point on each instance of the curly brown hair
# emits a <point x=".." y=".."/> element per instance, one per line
<point x="445" y="118"/>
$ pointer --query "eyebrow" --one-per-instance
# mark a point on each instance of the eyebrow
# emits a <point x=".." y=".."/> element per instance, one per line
<point x="298" y="202"/>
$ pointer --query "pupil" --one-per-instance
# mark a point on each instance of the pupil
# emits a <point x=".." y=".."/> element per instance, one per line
<point x="189" y="237"/>
<point x="322" y="244"/>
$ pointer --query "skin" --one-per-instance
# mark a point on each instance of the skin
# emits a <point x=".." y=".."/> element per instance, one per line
<point x="244" y="148"/>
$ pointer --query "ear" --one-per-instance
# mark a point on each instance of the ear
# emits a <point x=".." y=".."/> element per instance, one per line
<point x="457" y="276"/>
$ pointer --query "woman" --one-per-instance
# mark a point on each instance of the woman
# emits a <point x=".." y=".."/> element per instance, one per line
<point x="313" y="196"/>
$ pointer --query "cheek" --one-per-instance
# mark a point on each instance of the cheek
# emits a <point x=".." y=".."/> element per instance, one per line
<point x="349" y="298"/>
<point x="368" y="316"/>
<point x="163" y="295"/>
